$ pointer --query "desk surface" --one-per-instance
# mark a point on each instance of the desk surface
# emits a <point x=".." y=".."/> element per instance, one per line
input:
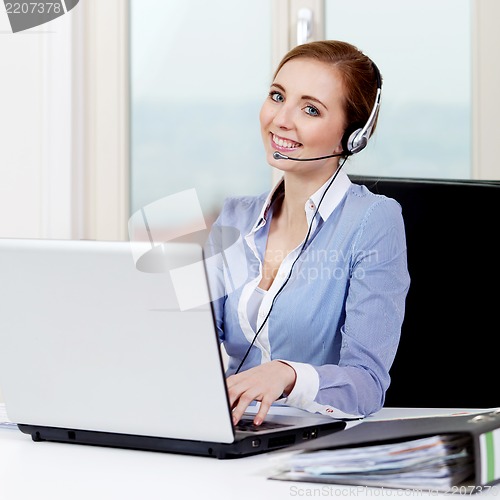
<point x="55" y="471"/>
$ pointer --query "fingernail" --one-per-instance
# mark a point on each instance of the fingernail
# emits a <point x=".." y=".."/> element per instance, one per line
<point x="257" y="421"/>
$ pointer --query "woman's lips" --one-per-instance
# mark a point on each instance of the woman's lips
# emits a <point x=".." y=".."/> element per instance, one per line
<point x="283" y="144"/>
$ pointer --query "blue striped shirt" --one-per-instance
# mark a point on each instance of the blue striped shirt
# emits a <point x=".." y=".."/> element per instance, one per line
<point x="337" y="320"/>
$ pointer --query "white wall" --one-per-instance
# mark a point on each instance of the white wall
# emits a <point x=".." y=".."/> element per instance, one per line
<point x="64" y="125"/>
<point x="35" y="88"/>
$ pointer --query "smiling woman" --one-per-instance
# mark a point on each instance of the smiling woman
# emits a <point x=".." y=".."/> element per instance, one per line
<point x="316" y="324"/>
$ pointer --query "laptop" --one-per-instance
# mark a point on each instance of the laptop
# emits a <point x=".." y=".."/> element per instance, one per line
<point x="99" y="347"/>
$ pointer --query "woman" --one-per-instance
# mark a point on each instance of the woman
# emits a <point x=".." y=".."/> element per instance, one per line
<point x="315" y="318"/>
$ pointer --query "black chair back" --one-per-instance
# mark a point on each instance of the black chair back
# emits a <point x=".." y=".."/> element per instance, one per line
<point x="448" y="355"/>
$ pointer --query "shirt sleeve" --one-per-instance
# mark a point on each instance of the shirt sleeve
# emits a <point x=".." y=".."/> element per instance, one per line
<point x="214" y="266"/>
<point x="306" y="386"/>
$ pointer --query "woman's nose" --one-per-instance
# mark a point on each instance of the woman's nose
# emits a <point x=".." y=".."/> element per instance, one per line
<point x="284" y="117"/>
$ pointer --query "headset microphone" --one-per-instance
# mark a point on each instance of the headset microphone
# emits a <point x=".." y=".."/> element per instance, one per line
<point x="279" y="156"/>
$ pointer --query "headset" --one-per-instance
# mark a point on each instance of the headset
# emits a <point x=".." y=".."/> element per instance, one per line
<point x="356" y="138"/>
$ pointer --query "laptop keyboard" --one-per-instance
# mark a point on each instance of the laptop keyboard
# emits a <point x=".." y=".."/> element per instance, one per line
<point x="247" y="425"/>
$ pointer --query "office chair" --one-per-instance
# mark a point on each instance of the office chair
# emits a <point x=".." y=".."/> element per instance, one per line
<point x="447" y="356"/>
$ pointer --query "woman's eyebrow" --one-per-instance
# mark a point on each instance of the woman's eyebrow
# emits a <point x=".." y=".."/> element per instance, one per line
<point x="304" y="97"/>
<point x="278" y="86"/>
<point x="311" y="98"/>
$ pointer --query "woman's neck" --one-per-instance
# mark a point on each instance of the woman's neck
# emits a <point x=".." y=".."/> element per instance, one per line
<point x="296" y="193"/>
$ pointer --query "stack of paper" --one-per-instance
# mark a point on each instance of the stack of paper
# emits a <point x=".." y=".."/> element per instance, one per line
<point x="437" y="462"/>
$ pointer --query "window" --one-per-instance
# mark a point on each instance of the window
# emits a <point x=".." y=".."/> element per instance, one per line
<point x="199" y="74"/>
<point x="423" y="50"/>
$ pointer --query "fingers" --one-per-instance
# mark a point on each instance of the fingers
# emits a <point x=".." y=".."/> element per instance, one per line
<point x="264" y="383"/>
<point x="263" y="410"/>
<point x="243" y="403"/>
<point x="241" y="396"/>
<point x="240" y="408"/>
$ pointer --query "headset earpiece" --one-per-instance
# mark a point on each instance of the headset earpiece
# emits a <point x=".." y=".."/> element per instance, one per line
<point x="355" y="136"/>
<point x="349" y="140"/>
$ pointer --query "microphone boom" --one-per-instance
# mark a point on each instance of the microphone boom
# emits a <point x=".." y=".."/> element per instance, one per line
<point x="279" y="156"/>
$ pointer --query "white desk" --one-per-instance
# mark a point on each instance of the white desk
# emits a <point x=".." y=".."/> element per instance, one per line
<point x="43" y="471"/>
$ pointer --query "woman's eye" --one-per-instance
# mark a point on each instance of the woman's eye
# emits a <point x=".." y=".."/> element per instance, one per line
<point x="311" y="110"/>
<point x="276" y="96"/>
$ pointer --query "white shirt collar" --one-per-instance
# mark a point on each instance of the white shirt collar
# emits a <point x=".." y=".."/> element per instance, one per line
<point x="332" y="198"/>
<point x="261" y="219"/>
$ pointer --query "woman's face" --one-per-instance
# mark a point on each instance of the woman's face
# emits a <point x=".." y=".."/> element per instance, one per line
<point x="303" y="116"/>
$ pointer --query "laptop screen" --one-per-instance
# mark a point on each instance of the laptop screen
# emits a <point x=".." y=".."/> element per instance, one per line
<point x="92" y="341"/>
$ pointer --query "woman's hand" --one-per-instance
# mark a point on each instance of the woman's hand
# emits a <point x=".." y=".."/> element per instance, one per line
<point x="265" y="383"/>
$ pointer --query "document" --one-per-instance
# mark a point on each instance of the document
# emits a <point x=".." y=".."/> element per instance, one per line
<point x="438" y="462"/>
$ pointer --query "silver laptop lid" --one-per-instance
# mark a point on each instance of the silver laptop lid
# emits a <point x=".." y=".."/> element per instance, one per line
<point x="89" y="341"/>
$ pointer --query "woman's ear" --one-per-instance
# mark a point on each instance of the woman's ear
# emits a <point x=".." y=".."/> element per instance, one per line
<point x="338" y="149"/>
